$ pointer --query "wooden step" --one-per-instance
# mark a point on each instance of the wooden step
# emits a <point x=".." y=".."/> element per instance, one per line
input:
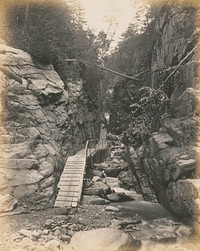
<point x="70" y="174"/>
<point x="64" y="198"/>
<point x="63" y="183"/>
<point x="69" y="179"/>
<point x="75" y="194"/>
<point x="67" y="198"/>
<point x="73" y="169"/>
<point x="69" y="189"/>
<point x="75" y="163"/>
<point x="63" y="203"/>
<point x="67" y="172"/>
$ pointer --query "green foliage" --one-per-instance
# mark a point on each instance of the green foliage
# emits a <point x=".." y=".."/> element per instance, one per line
<point x="39" y="28"/>
<point x="134" y="53"/>
<point x="144" y="115"/>
<point x="77" y="13"/>
<point x="92" y="78"/>
<point x="102" y="43"/>
<point x="48" y="31"/>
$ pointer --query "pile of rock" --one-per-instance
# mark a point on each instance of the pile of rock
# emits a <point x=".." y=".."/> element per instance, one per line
<point x="106" y="177"/>
<point x="94" y="228"/>
<point x="55" y="234"/>
<point x="114" y="165"/>
<point x="51" y="239"/>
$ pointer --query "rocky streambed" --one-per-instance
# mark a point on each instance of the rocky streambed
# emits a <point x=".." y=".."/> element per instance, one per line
<point x="110" y="218"/>
<point x="111" y="226"/>
<point x="131" y="224"/>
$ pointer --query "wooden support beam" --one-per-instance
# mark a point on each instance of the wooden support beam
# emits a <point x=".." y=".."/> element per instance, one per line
<point x="104" y="68"/>
<point x="118" y="73"/>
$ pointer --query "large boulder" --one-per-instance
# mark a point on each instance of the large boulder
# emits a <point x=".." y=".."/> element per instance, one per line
<point x="159" y="141"/>
<point x="112" y="171"/>
<point x="114" y="197"/>
<point x="183" y="197"/>
<point x="94" y="200"/>
<point x="117" y="197"/>
<point x="102" y="166"/>
<point x="128" y="194"/>
<point x="183" y="131"/>
<point x="104" y="239"/>
<point x="94" y="172"/>
<point x="97" y="188"/>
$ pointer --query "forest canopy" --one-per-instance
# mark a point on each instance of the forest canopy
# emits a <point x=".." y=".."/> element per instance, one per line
<point x="48" y="30"/>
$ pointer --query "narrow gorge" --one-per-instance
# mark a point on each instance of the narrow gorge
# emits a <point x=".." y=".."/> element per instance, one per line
<point x="53" y="102"/>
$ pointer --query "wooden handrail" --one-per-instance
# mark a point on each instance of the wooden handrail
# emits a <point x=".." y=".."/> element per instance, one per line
<point x="96" y="147"/>
<point x="86" y="149"/>
<point x="85" y="162"/>
<point x="86" y="155"/>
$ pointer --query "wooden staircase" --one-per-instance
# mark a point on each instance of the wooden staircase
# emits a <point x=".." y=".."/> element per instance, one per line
<point x="71" y="181"/>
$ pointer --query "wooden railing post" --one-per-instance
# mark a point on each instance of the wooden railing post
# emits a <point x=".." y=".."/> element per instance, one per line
<point x="85" y="163"/>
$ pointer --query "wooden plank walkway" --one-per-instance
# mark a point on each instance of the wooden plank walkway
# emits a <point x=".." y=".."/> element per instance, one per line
<point x="71" y="181"/>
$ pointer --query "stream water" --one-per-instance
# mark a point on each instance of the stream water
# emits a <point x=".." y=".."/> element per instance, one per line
<point x="156" y="220"/>
<point x="147" y="210"/>
<point x="152" y="216"/>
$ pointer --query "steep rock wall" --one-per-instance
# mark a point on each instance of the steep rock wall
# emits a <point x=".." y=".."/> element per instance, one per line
<point x="171" y="158"/>
<point x="175" y="37"/>
<point x="42" y="124"/>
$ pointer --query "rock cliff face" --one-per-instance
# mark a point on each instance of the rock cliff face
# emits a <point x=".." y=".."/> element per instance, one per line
<point x="176" y="36"/>
<point x="171" y="158"/>
<point x="42" y="124"/>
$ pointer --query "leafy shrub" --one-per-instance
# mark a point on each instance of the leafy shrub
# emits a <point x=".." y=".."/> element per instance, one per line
<point x="145" y="116"/>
